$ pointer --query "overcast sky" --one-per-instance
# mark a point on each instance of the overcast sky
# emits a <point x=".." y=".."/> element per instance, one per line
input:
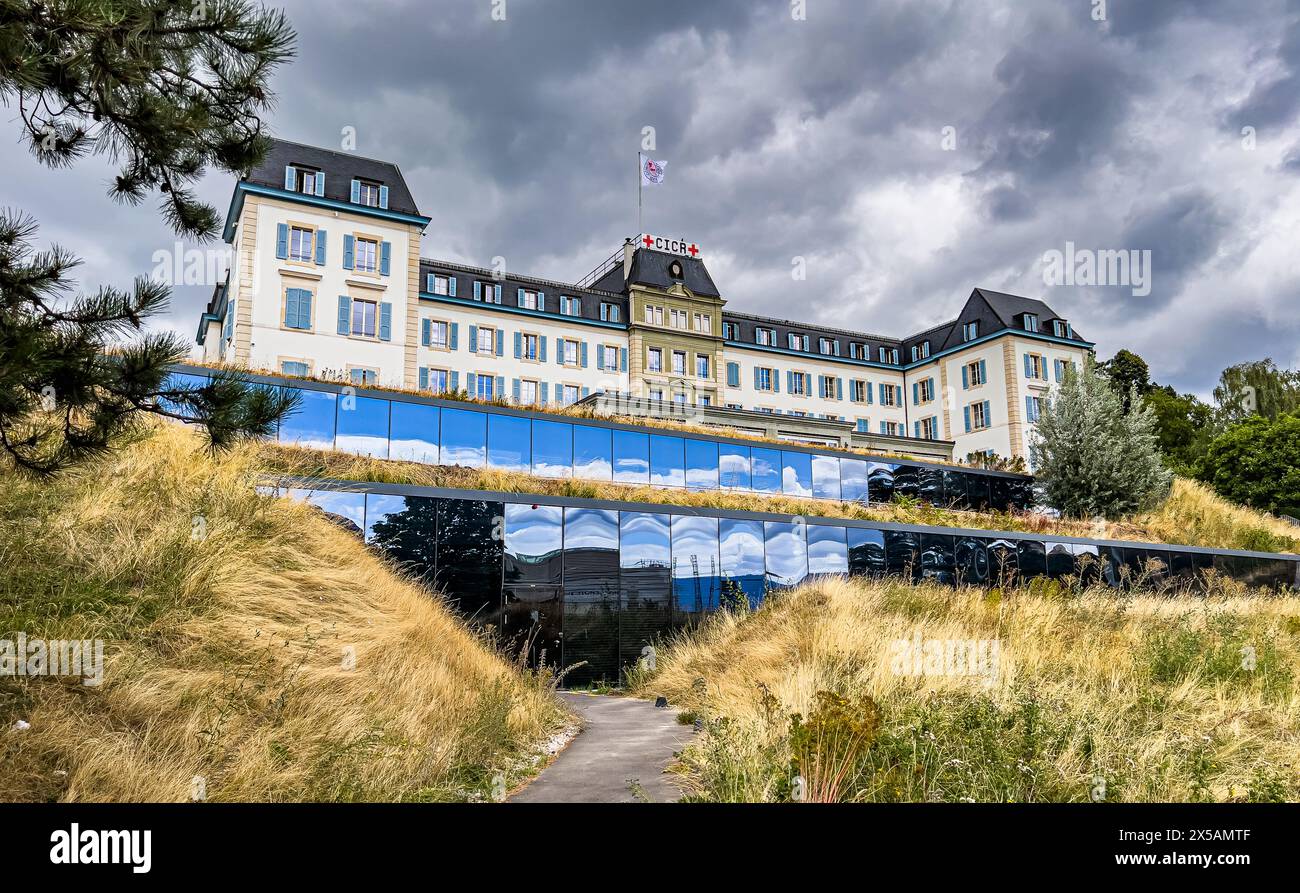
<point x="821" y="139"/>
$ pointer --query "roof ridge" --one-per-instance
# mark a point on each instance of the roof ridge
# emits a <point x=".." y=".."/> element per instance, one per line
<point x="392" y="164"/>
<point x="520" y="277"/>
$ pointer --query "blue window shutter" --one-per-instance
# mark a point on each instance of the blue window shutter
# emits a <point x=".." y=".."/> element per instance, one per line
<point x="356" y="192"/>
<point x="559" y="351"/>
<point x="622" y="359"/>
<point x="586" y="392"/>
<point x="600" y="358"/>
<point x="916" y="429"/>
<point x="499" y="390"/>
<point x="345" y="315"/>
<point x="453" y="381"/>
<point x="776" y="381"/>
<point x="514" y="389"/>
<point x="983" y="372"/>
<point x="424" y="377"/>
<point x="471" y="383"/>
<point x="473" y="339"/>
<point x="757" y="379"/>
<point x="965" y="378"/>
<point x="348" y="250"/>
<point x="320" y="247"/>
<point x="543" y="389"/>
<point x="478" y="290"/>
<point x="966" y="411"/>
<point x="385" y="321"/>
<point x="988" y="419"/>
<point x="454" y="337"/>
<point x="882" y="427"/>
<point x="541" y="348"/>
<point x="501" y="342"/>
<point x="582" y="349"/>
<point x="304" y="309"/>
<point x="1029" y="408"/>
<point x="519" y="345"/>
<point x="789" y="381"/>
<point x="320" y="184"/>
<point x="916" y="393"/>
<point x="385" y="256"/>
<point x="496" y="292"/>
<point x="426" y="332"/>
<point x="1029" y="369"/>
<point x="541" y="300"/>
<point x="282" y="240"/>
<point x="519" y="298"/>
<point x="290" y="177"/>
<point x="839" y="387"/>
<point x="291" y="307"/>
<point x="383" y="196"/>
<point x="428" y="282"/>
<point x="451" y="286"/>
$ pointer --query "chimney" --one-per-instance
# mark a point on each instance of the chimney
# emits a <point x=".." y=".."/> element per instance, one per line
<point x="629" y="249"/>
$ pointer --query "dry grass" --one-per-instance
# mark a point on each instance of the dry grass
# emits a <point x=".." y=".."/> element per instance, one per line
<point x="225" y="651"/>
<point x="1192" y="515"/>
<point x="1148" y="693"/>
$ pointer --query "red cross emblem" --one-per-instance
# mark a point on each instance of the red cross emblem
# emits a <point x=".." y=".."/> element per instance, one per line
<point x="649" y="242"/>
<point x="693" y="250"/>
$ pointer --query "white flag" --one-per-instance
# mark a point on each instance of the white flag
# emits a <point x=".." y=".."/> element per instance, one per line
<point x="652" y="172"/>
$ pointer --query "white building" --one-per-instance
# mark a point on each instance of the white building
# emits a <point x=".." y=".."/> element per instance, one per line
<point x="328" y="281"/>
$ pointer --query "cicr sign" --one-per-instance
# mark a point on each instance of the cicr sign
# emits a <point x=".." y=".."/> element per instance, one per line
<point x="671" y="246"/>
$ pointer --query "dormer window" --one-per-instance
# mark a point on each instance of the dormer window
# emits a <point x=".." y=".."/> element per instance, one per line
<point x="306" y="180"/>
<point x="970" y="331"/>
<point x="1031" y="322"/>
<point x="1062" y="329"/>
<point x="675" y="269"/>
<point x="925" y="349"/>
<point x="797" y="342"/>
<point x="369" y="193"/>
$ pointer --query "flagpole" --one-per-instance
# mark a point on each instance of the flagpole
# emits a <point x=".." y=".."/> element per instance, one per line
<point x="639" y="179"/>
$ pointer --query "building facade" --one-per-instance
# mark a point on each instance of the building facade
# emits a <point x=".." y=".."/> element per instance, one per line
<point x="328" y="281"/>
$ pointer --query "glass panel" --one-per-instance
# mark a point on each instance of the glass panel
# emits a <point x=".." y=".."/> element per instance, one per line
<point x="631" y="457"/>
<point x="741" y="546"/>
<point x="552" y="449"/>
<point x="405" y="529"/>
<point x="534" y="561"/>
<point x="999" y="493"/>
<point x="593" y="457"/>
<point x="853" y="480"/>
<point x="701" y="464"/>
<point x="667" y="461"/>
<point x="1032" y="556"/>
<point x="938" y="562"/>
<point x="348" y="510"/>
<point x="591" y="595"/>
<point x="977" y="491"/>
<point x="1088" y="563"/>
<point x="766" y="466"/>
<point x="866" y="552"/>
<point x="954" y="489"/>
<point x="697" y="575"/>
<point x="1022" y="493"/>
<point x="786" y="551"/>
<point x="826" y="477"/>
<point x="311" y="425"/>
<point x="509" y="443"/>
<point x="796" y="473"/>
<point x="733" y="465"/>
<point x="464" y="438"/>
<point x="363" y="426"/>
<point x="1060" y="559"/>
<point x="931" y="485"/>
<point x="971" y="560"/>
<point x="903" y="553"/>
<point x="907" y="480"/>
<point x="470" y="556"/>
<point x="880" y="481"/>
<point x="1003" y="567"/>
<point x="645" y="581"/>
<point x="414" y="435"/>
<point x="828" y="549"/>
<point x="176" y="381"/>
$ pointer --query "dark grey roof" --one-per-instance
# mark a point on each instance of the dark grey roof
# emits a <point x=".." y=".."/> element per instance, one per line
<point x="745" y="324"/>
<point x="651" y="268"/>
<point x="589" y="299"/>
<point x="340" y="169"/>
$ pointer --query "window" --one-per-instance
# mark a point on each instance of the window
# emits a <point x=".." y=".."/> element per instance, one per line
<point x="609" y="312"/>
<point x="654" y="316"/>
<point x="734" y="406"/>
<point x="729" y="331"/>
<point x="829" y="346"/>
<point x="890" y="428"/>
<point x="294" y="367"/>
<point x="484" y="386"/>
<point x="679" y="362"/>
<point x="765" y="378"/>
<point x="441" y="284"/>
<point x="528" y="346"/>
<point x="979" y="415"/>
<point x="1031" y="322"/>
<point x="528" y="299"/>
<point x="657" y="394"/>
<point x="766" y="337"/>
<point x="1033" y="408"/>
<point x="437" y="333"/>
<point x="1062" y="329"/>
<point x="528" y="392"/>
<point x="368" y="193"/>
<point x="857" y="351"/>
<point x="830" y="388"/>
<point x="610" y="360"/>
<point x="297" y="308"/>
<point x="366" y="256"/>
<point x="1036" y="366"/>
<point x="974" y="373"/>
<point x="680" y="319"/>
<point x="655" y="360"/>
<point x="701" y="366"/>
<point x="889" y="355"/>
<point x="797" y="342"/>
<point x="925" y="390"/>
<point x="799" y="384"/>
<point x="970" y="331"/>
<point x="864" y="426"/>
<point x="704" y="323"/>
<point x="569" y="393"/>
<point x="437" y="380"/>
<point x="487" y="292"/>
<point x="363" y="376"/>
<point x="570" y="306"/>
<point x="859" y="391"/>
<point x="305" y="181"/>
<point x="571" y="352"/>
<point x="928" y="428"/>
<point x="889" y="394"/>
<point x="364" y="314"/>
<point x="487" y="340"/>
<point x="301" y="241"/>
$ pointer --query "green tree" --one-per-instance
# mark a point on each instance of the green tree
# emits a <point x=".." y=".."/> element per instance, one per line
<point x="1127" y="372"/>
<point x="1256" y="462"/>
<point x="1183" y="426"/>
<point x="166" y="89"/>
<point x="1257" y="388"/>
<point x="1092" y="457"/>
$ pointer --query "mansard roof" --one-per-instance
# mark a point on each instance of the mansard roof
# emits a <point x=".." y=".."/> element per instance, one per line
<point x="340" y="169"/>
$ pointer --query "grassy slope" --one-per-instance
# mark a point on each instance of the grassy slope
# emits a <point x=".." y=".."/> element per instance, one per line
<point x="225" y="653"/>
<point x="1192" y="515"/>
<point x="1148" y="693"/>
